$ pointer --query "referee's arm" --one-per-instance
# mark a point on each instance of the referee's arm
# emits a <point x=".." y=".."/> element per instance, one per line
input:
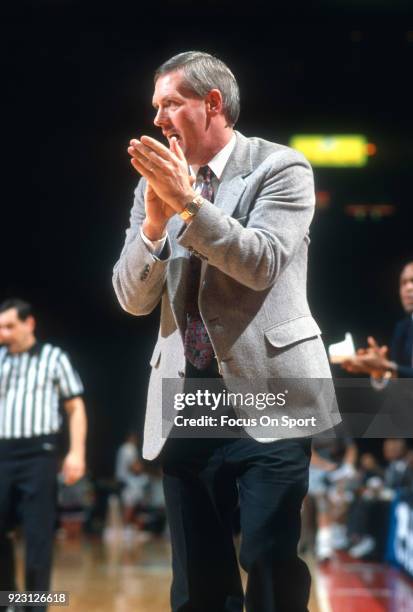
<point x="74" y="464"/>
<point x="71" y="391"/>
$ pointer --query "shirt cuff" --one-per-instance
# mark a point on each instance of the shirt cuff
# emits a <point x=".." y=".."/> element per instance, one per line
<point x="380" y="383"/>
<point x="155" y="246"/>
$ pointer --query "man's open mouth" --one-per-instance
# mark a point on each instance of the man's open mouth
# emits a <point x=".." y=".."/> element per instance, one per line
<point x="173" y="135"/>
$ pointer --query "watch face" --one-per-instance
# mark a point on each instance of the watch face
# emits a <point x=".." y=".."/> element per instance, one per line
<point x="192" y="208"/>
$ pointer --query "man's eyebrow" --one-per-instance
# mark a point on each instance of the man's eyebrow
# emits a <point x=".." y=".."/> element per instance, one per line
<point x="168" y="98"/>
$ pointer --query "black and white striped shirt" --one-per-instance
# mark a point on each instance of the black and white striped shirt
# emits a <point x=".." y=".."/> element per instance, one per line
<point x="31" y="385"/>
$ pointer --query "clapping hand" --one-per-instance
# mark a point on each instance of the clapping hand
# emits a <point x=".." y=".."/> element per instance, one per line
<point x="372" y="360"/>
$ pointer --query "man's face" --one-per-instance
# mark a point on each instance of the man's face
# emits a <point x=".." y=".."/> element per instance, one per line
<point x="394" y="449"/>
<point x="181" y="114"/>
<point x="406" y="288"/>
<point x="15" y="333"/>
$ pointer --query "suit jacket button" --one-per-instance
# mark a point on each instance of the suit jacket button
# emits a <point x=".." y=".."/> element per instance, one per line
<point x="181" y="374"/>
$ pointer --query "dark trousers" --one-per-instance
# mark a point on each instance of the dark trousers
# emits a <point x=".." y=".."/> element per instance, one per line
<point x="204" y="480"/>
<point x="29" y="483"/>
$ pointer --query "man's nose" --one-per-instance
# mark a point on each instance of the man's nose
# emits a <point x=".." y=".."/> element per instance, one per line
<point x="160" y="118"/>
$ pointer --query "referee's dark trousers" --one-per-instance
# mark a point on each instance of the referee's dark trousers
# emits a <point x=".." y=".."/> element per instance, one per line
<point x="27" y="483"/>
<point x="204" y="480"/>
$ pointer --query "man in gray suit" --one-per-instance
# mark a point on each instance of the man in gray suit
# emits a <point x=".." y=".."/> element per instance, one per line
<point x="219" y="234"/>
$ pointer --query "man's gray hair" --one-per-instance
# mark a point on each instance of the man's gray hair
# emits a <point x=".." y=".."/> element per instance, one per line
<point x="203" y="72"/>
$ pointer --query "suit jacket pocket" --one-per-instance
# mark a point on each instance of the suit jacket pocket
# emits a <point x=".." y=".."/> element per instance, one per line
<point x="292" y="331"/>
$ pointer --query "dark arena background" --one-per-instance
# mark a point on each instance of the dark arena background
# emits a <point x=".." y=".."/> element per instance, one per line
<point x="77" y="86"/>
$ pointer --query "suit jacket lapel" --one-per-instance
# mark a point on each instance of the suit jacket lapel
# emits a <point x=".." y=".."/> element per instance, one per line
<point x="232" y="182"/>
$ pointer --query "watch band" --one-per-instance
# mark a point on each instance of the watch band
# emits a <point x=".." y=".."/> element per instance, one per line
<point x="192" y="208"/>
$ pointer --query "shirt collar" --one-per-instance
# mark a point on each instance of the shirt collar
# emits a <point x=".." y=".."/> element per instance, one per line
<point x="219" y="161"/>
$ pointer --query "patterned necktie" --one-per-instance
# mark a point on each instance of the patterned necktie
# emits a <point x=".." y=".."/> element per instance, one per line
<point x="197" y="345"/>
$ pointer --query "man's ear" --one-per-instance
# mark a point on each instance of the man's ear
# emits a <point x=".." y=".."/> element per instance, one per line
<point x="213" y="102"/>
<point x="31" y="322"/>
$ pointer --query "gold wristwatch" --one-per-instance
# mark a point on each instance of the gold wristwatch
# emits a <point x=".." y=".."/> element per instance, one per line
<point x="192" y="208"/>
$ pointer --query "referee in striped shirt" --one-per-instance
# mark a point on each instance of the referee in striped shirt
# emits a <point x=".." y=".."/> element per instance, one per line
<point x="35" y="379"/>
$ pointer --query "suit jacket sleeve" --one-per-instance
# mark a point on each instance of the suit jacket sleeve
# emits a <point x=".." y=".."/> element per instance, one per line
<point x="399" y="353"/>
<point x="139" y="276"/>
<point x="279" y="219"/>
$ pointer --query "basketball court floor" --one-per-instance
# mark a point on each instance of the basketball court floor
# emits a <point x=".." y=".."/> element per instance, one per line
<point x="112" y="575"/>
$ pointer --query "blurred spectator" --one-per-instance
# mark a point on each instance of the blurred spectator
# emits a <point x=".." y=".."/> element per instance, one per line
<point x="368" y="516"/>
<point x="153" y="517"/>
<point x="134" y="482"/>
<point x="75" y="503"/>
<point x="331" y="470"/>
<point x="398" y="474"/>
<point x="369" y="474"/>
<point x="374" y="360"/>
<point x="34" y="377"/>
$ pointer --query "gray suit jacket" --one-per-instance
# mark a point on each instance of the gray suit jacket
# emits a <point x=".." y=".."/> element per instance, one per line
<point x="253" y="242"/>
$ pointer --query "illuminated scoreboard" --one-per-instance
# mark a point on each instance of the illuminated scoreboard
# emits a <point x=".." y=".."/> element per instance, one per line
<point x="335" y="150"/>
